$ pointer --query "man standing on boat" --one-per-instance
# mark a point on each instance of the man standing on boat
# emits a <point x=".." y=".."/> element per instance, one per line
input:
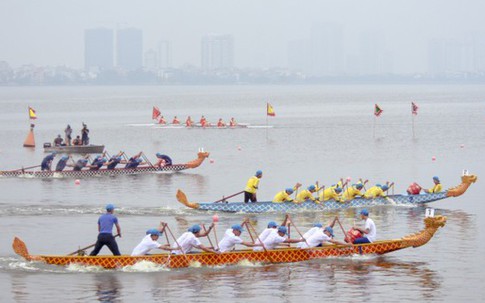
<point x="232" y="237"/>
<point x="369" y="231"/>
<point x="47" y="161"/>
<point x="252" y="187"/>
<point x="189" y="240"/>
<point x="68" y="132"/>
<point x="437" y="186"/>
<point x="85" y="135"/>
<point x="105" y="229"/>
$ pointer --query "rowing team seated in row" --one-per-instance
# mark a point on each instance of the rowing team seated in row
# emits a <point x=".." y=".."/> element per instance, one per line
<point x="203" y="122"/>
<point x="270" y="238"/>
<point x="100" y="161"/>
<point x="340" y="193"/>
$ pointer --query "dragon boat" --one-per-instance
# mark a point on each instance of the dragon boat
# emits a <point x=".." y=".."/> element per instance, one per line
<point x="269" y="206"/>
<point x="283" y="255"/>
<point x="201" y="156"/>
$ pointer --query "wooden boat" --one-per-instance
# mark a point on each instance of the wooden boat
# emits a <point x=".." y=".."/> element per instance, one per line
<point x="74" y="149"/>
<point x="284" y="255"/>
<point x="201" y="156"/>
<point x="267" y="206"/>
<point x="198" y="125"/>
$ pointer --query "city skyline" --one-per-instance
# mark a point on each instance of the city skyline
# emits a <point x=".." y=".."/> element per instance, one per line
<point x="262" y="32"/>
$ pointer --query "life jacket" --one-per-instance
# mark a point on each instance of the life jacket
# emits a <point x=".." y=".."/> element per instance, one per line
<point x="414" y="189"/>
<point x="352" y="234"/>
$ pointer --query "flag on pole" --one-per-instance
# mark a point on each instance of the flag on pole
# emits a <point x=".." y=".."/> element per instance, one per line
<point x="155" y="113"/>
<point x="270" y="110"/>
<point x="377" y="110"/>
<point x="32" y="114"/>
<point x="414" y="108"/>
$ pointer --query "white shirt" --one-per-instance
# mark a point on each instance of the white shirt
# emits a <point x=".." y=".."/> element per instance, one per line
<point x="187" y="242"/>
<point x="311" y="231"/>
<point x="265" y="234"/>
<point x="229" y="241"/>
<point x="369" y="224"/>
<point x="317" y="238"/>
<point x="271" y="241"/>
<point x="145" y="246"/>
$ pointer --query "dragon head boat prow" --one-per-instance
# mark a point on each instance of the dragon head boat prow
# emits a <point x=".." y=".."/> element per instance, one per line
<point x="466" y="181"/>
<point x="201" y="156"/>
<point x="432" y="224"/>
<point x="182" y="198"/>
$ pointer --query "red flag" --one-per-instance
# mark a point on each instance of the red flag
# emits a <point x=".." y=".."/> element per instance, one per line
<point x="270" y="110"/>
<point x="32" y="114"/>
<point x="377" y="110"/>
<point x="414" y="108"/>
<point x="155" y="113"/>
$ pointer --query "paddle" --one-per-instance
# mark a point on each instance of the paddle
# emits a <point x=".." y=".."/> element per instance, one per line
<point x="24" y="168"/>
<point x="178" y="245"/>
<point x="208" y="237"/>
<point x="298" y="231"/>
<point x="215" y="219"/>
<point x="228" y="197"/>
<point x="343" y="230"/>
<point x="248" y="226"/>
<point x="87" y="247"/>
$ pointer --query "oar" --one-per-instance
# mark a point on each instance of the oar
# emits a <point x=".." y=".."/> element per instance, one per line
<point x="249" y="231"/>
<point x="87" y="247"/>
<point x="215" y="219"/>
<point x="228" y="197"/>
<point x="343" y="230"/>
<point x="298" y="231"/>
<point x="208" y="237"/>
<point x="176" y="242"/>
<point x="24" y="168"/>
<point x="146" y="159"/>
<point x="248" y="226"/>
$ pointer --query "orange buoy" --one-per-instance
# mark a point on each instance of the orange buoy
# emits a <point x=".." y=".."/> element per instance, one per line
<point x="30" y="140"/>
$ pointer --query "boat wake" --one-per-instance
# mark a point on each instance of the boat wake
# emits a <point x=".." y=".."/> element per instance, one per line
<point x="145" y="266"/>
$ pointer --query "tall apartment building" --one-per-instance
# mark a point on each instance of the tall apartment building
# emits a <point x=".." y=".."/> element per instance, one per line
<point x="129" y="48"/>
<point x="98" y="49"/>
<point x="217" y="51"/>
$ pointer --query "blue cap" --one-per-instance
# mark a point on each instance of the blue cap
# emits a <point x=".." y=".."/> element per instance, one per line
<point x="378" y="185"/>
<point x="153" y="232"/>
<point x="359" y="185"/>
<point x="237" y="227"/>
<point x="311" y="187"/>
<point x="64" y="158"/>
<point x="110" y="207"/>
<point x="104" y="160"/>
<point x="289" y="190"/>
<point x="282" y="229"/>
<point x="384" y="187"/>
<point x="272" y="224"/>
<point x="317" y="225"/>
<point x="330" y="230"/>
<point x="194" y="229"/>
<point x="259" y="173"/>
<point x="338" y="190"/>
<point x="53" y="153"/>
<point x="364" y="212"/>
<point x="159" y="155"/>
<point x="436" y="178"/>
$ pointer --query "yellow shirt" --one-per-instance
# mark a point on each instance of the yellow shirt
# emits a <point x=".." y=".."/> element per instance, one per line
<point x="305" y="195"/>
<point x="350" y="193"/>
<point x="374" y="192"/>
<point x="282" y="196"/>
<point x="329" y="193"/>
<point x="435" y="189"/>
<point x="252" y="185"/>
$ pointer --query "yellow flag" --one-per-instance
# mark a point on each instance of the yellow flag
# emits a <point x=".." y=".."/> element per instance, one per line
<point x="32" y="114"/>
<point x="270" y="110"/>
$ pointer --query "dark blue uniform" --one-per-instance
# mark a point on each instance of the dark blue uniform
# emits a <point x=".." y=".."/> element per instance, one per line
<point x="61" y="164"/>
<point x="46" y="163"/>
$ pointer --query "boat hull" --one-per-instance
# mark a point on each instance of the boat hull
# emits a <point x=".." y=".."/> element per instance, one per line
<point x="76" y="149"/>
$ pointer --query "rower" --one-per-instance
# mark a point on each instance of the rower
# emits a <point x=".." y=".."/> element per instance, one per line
<point x="203" y="121"/>
<point x="175" y="120"/>
<point x="376" y="191"/>
<point x="189" y="122"/>
<point x="149" y="242"/>
<point x="232" y="122"/>
<point x="62" y="163"/>
<point x="272" y="227"/>
<point x="436" y="188"/>
<point x="369" y="230"/>
<point x="163" y="160"/>
<point x="98" y="163"/>
<point x="114" y="160"/>
<point x="221" y="123"/>
<point x="188" y="240"/>
<point x="307" y="195"/>
<point x="134" y="161"/>
<point x="352" y="191"/>
<point x="232" y="237"/>
<point x="276" y="238"/>
<point x="47" y="161"/>
<point x="162" y="120"/>
<point x="333" y="192"/>
<point x="284" y="196"/>
<point x="319" y="238"/>
<point x="80" y="164"/>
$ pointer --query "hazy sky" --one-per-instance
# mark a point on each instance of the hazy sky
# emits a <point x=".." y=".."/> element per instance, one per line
<point x="51" y="32"/>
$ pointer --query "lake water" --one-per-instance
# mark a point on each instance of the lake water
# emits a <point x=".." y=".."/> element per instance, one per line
<point x="320" y="133"/>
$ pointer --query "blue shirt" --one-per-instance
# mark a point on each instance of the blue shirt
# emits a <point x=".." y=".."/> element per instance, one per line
<point x="132" y="163"/>
<point x="114" y="161"/>
<point x="61" y="165"/>
<point x="106" y="223"/>
<point x="46" y="162"/>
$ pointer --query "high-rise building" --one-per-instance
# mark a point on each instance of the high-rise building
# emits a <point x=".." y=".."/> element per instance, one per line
<point x="217" y="51"/>
<point x="129" y="48"/>
<point x="98" y="48"/>
<point x="165" y="54"/>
